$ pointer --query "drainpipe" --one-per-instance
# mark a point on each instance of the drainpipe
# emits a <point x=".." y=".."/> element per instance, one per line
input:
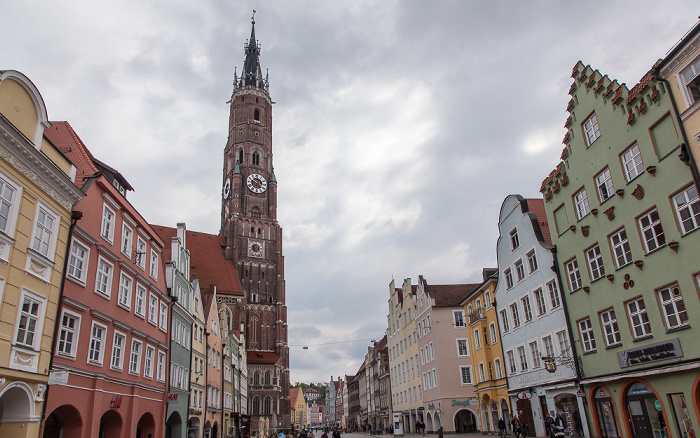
<point x="577" y="368"/>
<point x="686" y="156"/>
<point x="74" y="218"/>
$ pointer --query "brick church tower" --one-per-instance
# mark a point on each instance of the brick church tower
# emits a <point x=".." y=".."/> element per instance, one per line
<point x="254" y="240"/>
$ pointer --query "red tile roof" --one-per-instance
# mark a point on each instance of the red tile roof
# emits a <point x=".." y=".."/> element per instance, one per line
<point x="450" y="295"/>
<point x="537" y="206"/>
<point x="62" y="135"/>
<point x="262" y="357"/>
<point x="207" y="261"/>
<point x="293" y="394"/>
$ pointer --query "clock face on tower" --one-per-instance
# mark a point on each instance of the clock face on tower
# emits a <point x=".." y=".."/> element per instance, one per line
<point x="256" y="183"/>
<point x="255" y="249"/>
<point x="227" y="188"/>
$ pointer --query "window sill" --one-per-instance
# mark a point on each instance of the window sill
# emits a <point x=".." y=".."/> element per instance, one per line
<point x="624" y="266"/>
<point x="598" y="279"/>
<point x="66" y="356"/>
<point x="586" y="353"/>
<point x="679" y="328"/>
<point x="694" y="229"/>
<point x="103" y="295"/>
<point x="643" y="338"/>
<point x="77" y="281"/>
<point x="613" y="346"/>
<point x="124" y="306"/>
<point x="655" y="250"/>
<point x="630" y="181"/>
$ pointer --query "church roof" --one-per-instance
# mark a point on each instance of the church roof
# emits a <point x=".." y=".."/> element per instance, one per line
<point x="262" y="357"/>
<point x="252" y="74"/>
<point x="207" y="261"/>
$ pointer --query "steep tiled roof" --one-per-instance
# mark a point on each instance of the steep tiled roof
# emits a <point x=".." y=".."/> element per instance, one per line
<point x="207" y="261"/>
<point x="537" y="206"/>
<point x="262" y="357"/>
<point x="62" y="135"/>
<point x="450" y="295"/>
<point x="293" y="394"/>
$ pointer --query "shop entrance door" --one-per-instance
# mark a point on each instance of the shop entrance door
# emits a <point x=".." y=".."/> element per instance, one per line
<point x="638" y="418"/>
<point x="605" y="411"/>
<point x="524" y="405"/>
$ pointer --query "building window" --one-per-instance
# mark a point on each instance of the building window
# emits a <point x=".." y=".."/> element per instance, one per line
<point x="621" y="248"/>
<point x="127" y="237"/>
<point x="68" y="334"/>
<point x="548" y="346"/>
<point x="535" y="353"/>
<point x="673" y="307"/>
<point x="554" y="299"/>
<point x="482" y="375"/>
<point x="563" y="339"/>
<point x="45" y="227"/>
<point x="639" y="321"/>
<point x="140" y="253"/>
<point x="78" y="262"/>
<point x="504" y="321"/>
<point x="160" y="373"/>
<point x="540" y="302"/>
<point x="152" y="309"/>
<point x="103" y="282"/>
<point x="477" y="339"/>
<point x="492" y="329"/>
<point x="591" y="129"/>
<point x="514" y="239"/>
<point x="458" y="316"/>
<point x="595" y="262"/>
<point x="523" y="359"/>
<point x="574" y="275"/>
<point x="135" y="358"/>
<point x="688" y="208"/>
<point x="511" y="362"/>
<point x="466" y="374"/>
<point x="117" y="361"/>
<point x="515" y="313"/>
<point x="163" y="316"/>
<point x="148" y="362"/>
<point x="154" y="265"/>
<point x="30" y="320"/>
<point x="8" y="204"/>
<point x="632" y="162"/>
<point x="581" y="204"/>
<point x="691" y="81"/>
<point x="531" y="261"/>
<point x="587" y="338"/>
<point x="610" y="328"/>
<point x="125" y="286"/>
<point x="108" y="221"/>
<point x="499" y="370"/>
<point x="462" y="348"/>
<point x="140" y="301"/>
<point x="604" y="184"/>
<point x="519" y="270"/>
<point x="508" y="275"/>
<point x="97" y="343"/>
<point x="652" y="231"/>
<point x="527" y="309"/>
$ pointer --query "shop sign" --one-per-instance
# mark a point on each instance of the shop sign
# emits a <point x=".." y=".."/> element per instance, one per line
<point x="581" y="394"/>
<point x="524" y="396"/>
<point x="431" y="407"/>
<point x="172" y="397"/>
<point x="650" y="353"/>
<point x="195" y="411"/>
<point x="421" y="408"/>
<point x="116" y="401"/>
<point x="58" y="377"/>
<point x="466" y="402"/>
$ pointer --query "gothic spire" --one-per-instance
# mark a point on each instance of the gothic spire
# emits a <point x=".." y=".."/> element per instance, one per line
<point x="252" y="74"/>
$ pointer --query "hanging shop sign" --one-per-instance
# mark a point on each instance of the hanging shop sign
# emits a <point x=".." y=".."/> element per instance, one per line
<point x="667" y="349"/>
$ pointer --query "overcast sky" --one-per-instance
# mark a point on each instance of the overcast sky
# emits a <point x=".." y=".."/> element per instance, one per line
<point x="399" y="126"/>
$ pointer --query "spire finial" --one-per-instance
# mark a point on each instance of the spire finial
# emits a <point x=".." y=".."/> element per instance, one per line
<point x="252" y="19"/>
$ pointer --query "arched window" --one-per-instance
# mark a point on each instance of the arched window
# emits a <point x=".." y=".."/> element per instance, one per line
<point x="267" y="378"/>
<point x="256" y="115"/>
<point x="256" y="405"/>
<point x="267" y="406"/>
<point x="256" y="378"/>
<point x="255" y="159"/>
<point x="240" y="154"/>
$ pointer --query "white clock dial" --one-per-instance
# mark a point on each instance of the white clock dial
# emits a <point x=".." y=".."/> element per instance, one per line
<point x="227" y="188"/>
<point x="255" y="249"/>
<point x="256" y="183"/>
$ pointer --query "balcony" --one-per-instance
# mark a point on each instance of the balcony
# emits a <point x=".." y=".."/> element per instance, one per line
<point x="476" y="315"/>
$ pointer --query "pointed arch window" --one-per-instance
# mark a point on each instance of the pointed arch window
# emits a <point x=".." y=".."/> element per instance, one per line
<point x="255" y="159"/>
<point x="256" y="115"/>
<point x="267" y="406"/>
<point x="256" y="406"/>
<point x="256" y="378"/>
<point x="267" y="378"/>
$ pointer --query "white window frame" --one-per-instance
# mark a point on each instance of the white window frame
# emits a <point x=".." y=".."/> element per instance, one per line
<point x="508" y="276"/>
<point x="118" y="351"/>
<point x="465" y="342"/>
<point x="540" y="302"/>
<point x="458" y="319"/>
<point x="127" y="240"/>
<point x="514" y="239"/>
<point x="519" y="270"/>
<point x="585" y="329"/>
<point x="153" y="271"/>
<point x="77" y="264"/>
<point x="160" y="367"/>
<point x="515" y="314"/>
<point x="532" y="265"/>
<point x="581" y="204"/>
<point x="140" y="300"/>
<point x="690" y="75"/>
<point x="535" y="353"/>
<point x="163" y="316"/>
<point x="548" y="346"/>
<point x="554" y="298"/>
<point x="527" y="308"/>
<point x="522" y="356"/>
<point x="45" y="235"/>
<point x="639" y="320"/>
<point x="153" y="309"/>
<point x="504" y="320"/>
<point x="632" y="162"/>
<point x="687" y="206"/>
<point x="651" y="230"/>
<point x="12" y="204"/>
<point x="620" y="245"/>
<point x="482" y="373"/>
<point x="126" y="286"/>
<point x="492" y="329"/>
<point x="573" y="274"/>
<point x="499" y="369"/>
<point x="477" y="339"/>
<point x="673" y="307"/>
<point x="149" y="362"/>
<point x="591" y="129"/>
<point x="109" y="222"/>
<point x="604" y="185"/>
<point x="135" y="353"/>
<point x="65" y="332"/>
<point x="107" y="293"/>
<point x="141" y="251"/>
<point x="563" y="340"/>
<point x="512" y="366"/>
<point x="38" y="318"/>
<point x="97" y="344"/>
<point x="611" y="330"/>
<point x="595" y="262"/>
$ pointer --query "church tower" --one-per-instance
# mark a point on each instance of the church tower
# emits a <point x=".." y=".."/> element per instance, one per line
<point x="254" y="239"/>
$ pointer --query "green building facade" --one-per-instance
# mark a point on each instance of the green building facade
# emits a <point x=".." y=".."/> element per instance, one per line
<point x="624" y="215"/>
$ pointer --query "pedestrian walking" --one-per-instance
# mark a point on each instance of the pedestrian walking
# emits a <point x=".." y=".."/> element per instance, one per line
<point x="502" y="427"/>
<point x="515" y="426"/>
<point x="548" y="422"/>
<point x="522" y="420"/>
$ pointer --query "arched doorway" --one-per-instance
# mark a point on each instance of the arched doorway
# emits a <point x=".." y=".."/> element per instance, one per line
<point x="605" y="413"/>
<point x="215" y="430"/>
<point x="146" y="426"/>
<point x="173" y="427"/>
<point x="16" y="405"/>
<point x="566" y="404"/>
<point x="505" y="413"/>
<point x="429" y="422"/>
<point x="63" y="422"/>
<point x="484" y="410"/>
<point x="526" y="408"/>
<point x="494" y="415"/>
<point x="110" y="425"/>
<point x="193" y="427"/>
<point x="645" y="412"/>
<point x="207" y="430"/>
<point x="465" y="421"/>
<point x="437" y="422"/>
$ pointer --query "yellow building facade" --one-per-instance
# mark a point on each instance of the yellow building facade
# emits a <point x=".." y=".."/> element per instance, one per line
<point x="488" y="372"/>
<point x="298" y="404"/>
<point x="37" y="193"/>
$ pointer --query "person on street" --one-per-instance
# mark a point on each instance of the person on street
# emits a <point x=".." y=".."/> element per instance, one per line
<point x="522" y="420"/>
<point x="515" y="426"/>
<point x="502" y="427"/>
<point x="548" y="423"/>
<point x="558" y="427"/>
<point x="324" y="435"/>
